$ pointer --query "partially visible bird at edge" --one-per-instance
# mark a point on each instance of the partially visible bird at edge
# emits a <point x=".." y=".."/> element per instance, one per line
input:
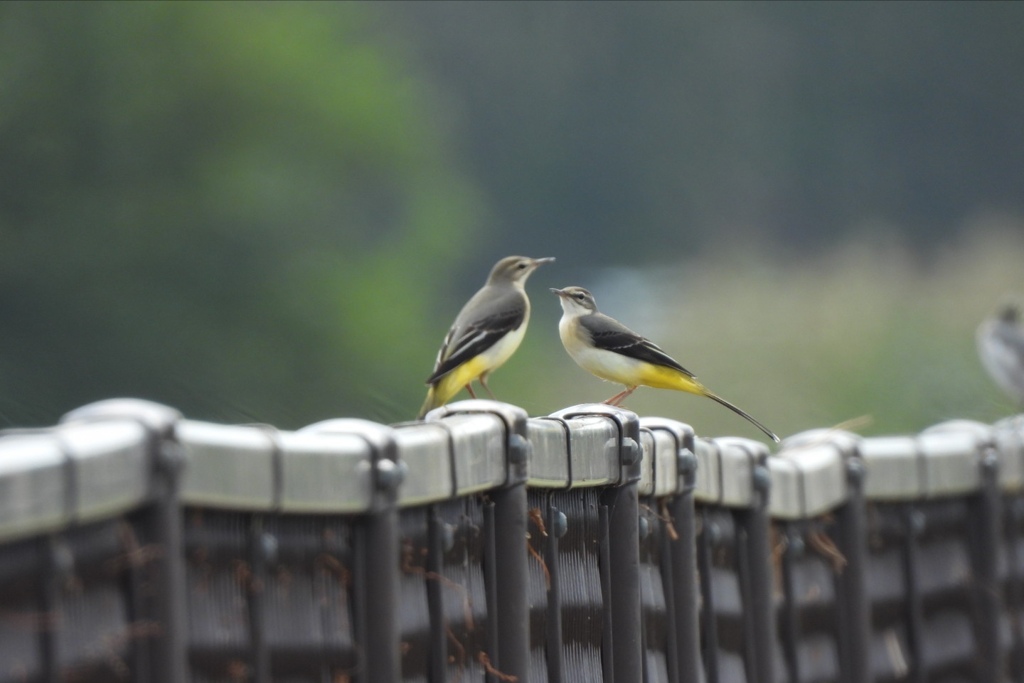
<point x="611" y="351"/>
<point x="1000" y="339"/>
<point x="485" y="334"/>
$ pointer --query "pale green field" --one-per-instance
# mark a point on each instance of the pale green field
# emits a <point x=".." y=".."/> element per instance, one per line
<point x="864" y="333"/>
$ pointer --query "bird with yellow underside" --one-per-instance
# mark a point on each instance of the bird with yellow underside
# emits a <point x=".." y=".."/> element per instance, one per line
<point x="608" y="349"/>
<point x="485" y="334"/>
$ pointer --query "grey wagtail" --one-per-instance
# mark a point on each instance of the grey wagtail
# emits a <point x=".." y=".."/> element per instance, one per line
<point x="1001" y="349"/>
<point x="486" y="332"/>
<point x="608" y="349"/>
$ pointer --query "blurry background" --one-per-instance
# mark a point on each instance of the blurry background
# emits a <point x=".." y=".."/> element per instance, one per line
<point x="272" y="212"/>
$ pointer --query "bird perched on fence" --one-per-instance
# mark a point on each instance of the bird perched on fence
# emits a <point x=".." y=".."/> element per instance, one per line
<point x="485" y="334"/>
<point x="608" y="349"/>
<point x="1000" y="340"/>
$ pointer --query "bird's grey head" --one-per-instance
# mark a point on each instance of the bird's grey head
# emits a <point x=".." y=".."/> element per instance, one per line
<point x="515" y="269"/>
<point x="1010" y="313"/>
<point x="576" y="300"/>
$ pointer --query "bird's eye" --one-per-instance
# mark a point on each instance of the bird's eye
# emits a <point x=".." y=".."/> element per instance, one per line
<point x="579" y="296"/>
<point x="521" y="265"/>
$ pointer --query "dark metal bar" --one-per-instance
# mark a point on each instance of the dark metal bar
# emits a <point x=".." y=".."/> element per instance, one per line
<point x="382" y="643"/>
<point x="512" y="653"/>
<point x="708" y="620"/>
<point x="682" y="578"/>
<point x="669" y="580"/>
<point x="133" y="583"/>
<point x="756" y="528"/>
<point x="622" y="646"/>
<point x="790" y="616"/>
<point x="512" y="656"/>
<point x="745" y="571"/>
<point x="56" y="565"/>
<point x="163" y="524"/>
<point x="170" y="600"/>
<point x="378" y="558"/>
<point x="986" y="517"/>
<point x="608" y="613"/>
<point x="490" y="567"/>
<point x="913" y="523"/>
<point x="435" y="601"/>
<point x="555" y="522"/>
<point x="624" y="575"/>
<point x="257" y="604"/>
<point x="49" y="616"/>
<point x="1015" y="587"/>
<point x="852" y="596"/>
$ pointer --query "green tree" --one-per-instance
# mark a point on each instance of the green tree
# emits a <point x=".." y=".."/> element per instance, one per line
<point x="223" y="207"/>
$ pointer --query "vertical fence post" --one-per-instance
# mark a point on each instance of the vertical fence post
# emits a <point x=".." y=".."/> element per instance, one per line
<point x="754" y="557"/>
<point x="436" y="545"/>
<point x="377" y="623"/>
<point x="852" y="598"/>
<point x="509" y="635"/>
<point x="556" y="523"/>
<point x="50" y="561"/>
<point x="621" y="580"/>
<point x="792" y="534"/>
<point x="987" y="517"/>
<point x="512" y="654"/>
<point x="257" y="603"/>
<point x="708" y="618"/>
<point x="756" y="527"/>
<point x="1014" y="584"/>
<point x="679" y="557"/>
<point x="913" y="523"/>
<point x="165" y="520"/>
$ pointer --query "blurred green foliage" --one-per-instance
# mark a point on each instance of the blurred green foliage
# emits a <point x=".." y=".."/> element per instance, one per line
<point x="225" y="207"/>
<point x="868" y="336"/>
<point x="272" y="211"/>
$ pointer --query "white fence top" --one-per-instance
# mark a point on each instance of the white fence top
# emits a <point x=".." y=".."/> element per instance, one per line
<point x="100" y="462"/>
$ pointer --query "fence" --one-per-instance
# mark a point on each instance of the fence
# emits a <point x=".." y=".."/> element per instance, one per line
<point x="480" y="545"/>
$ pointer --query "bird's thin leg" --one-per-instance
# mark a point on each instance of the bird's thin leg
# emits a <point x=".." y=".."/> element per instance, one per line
<point x="469" y="388"/>
<point x="483" y="383"/>
<point x="620" y="397"/>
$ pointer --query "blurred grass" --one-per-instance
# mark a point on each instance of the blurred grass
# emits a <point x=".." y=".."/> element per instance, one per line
<point x="867" y="329"/>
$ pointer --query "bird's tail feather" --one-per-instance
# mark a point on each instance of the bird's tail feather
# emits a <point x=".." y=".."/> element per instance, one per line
<point x="714" y="397"/>
<point x="429" y="404"/>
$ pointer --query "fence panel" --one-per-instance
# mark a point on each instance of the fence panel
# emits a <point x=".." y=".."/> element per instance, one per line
<point x="482" y="545"/>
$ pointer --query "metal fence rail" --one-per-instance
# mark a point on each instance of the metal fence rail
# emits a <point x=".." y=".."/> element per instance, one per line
<point x="482" y="545"/>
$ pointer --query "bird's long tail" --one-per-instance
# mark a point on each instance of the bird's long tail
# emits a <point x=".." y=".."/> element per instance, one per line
<point x="429" y="404"/>
<point x="714" y="397"/>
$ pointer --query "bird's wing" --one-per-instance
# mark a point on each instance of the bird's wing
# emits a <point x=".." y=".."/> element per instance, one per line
<point x="609" y="334"/>
<point x="1001" y="346"/>
<point x="477" y="328"/>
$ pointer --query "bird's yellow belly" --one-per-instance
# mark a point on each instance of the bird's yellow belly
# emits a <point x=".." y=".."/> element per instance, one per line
<point x="450" y="384"/>
<point x="489" y="360"/>
<point x="661" y="377"/>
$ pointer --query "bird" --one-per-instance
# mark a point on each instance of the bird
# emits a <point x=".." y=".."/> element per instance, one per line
<point x="485" y="334"/>
<point x="1000" y="339"/>
<point x="608" y="349"/>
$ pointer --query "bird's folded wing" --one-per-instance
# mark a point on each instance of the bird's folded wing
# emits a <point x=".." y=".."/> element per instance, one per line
<point x="465" y="342"/>
<point x="1011" y="339"/>
<point x="1002" y="354"/>
<point x="610" y="335"/>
